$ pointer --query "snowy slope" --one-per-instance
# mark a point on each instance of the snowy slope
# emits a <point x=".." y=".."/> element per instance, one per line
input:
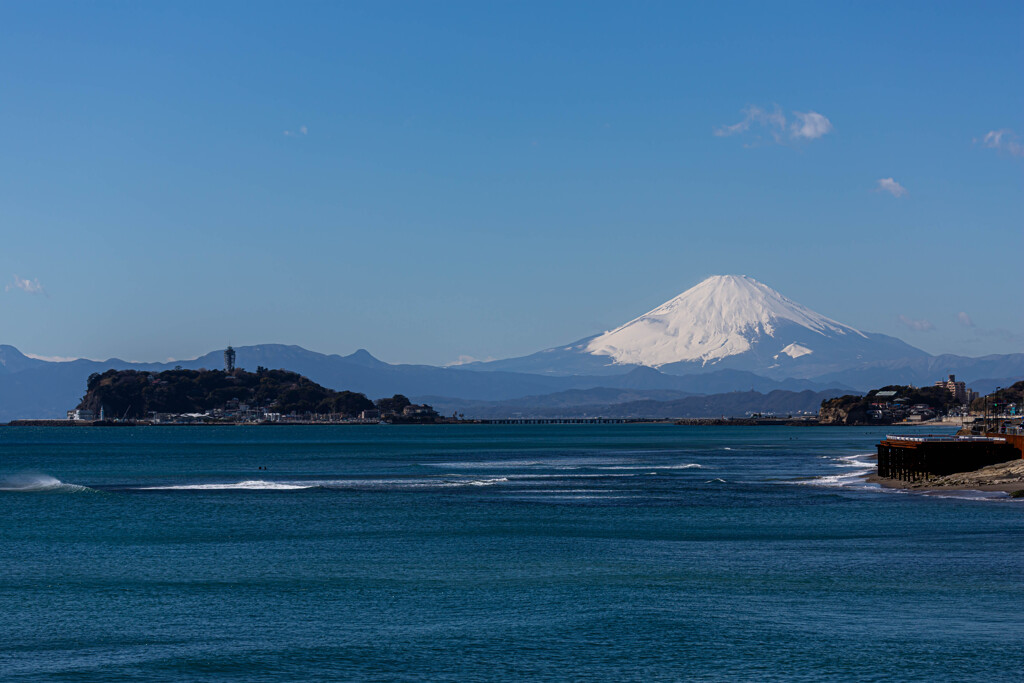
<point x="725" y="322"/>
<point x="723" y="316"/>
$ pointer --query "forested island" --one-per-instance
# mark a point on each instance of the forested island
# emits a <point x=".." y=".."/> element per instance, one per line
<point x="261" y="395"/>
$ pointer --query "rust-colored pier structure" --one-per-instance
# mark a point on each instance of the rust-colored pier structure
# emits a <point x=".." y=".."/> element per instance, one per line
<point x="923" y="457"/>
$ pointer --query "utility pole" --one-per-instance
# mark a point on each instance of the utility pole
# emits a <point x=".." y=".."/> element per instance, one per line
<point x="987" y="399"/>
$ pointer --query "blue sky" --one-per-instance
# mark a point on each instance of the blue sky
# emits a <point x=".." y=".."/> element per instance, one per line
<point x="436" y="180"/>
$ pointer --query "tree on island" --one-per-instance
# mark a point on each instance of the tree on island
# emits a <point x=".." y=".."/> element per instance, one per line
<point x="135" y="394"/>
<point x="396" y="404"/>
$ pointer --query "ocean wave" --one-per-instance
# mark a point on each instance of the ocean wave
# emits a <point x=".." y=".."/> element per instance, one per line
<point x="598" y="496"/>
<point x="35" y="483"/>
<point x="966" y="495"/>
<point x="863" y="466"/>
<point x="254" y="485"/>
<point x="491" y="464"/>
<point x="687" y="466"/>
<point x="859" y="463"/>
<point x="567" y="463"/>
<point x="395" y="483"/>
<point x="399" y="484"/>
<point x="357" y="484"/>
<point x="854" y="461"/>
<point x="569" y="476"/>
<point x="476" y="482"/>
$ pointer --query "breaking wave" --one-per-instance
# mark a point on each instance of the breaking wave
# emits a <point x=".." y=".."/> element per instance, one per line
<point x="857" y="467"/>
<point x="601" y="464"/>
<point x="34" y="483"/>
<point x="256" y="485"/>
<point x="363" y="484"/>
<point x="687" y="466"/>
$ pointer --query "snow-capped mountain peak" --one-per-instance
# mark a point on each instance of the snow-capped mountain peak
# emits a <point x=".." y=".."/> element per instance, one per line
<point x="725" y="315"/>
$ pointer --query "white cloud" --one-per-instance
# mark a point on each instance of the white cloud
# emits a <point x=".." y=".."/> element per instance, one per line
<point x="964" y="319"/>
<point x="26" y="285"/>
<point x="810" y="126"/>
<point x="303" y="130"/>
<point x="774" y="120"/>
<point x="916" y="325"/>
<point x="1004" y="140"/>
<point x="806" y="126"/>
<point x="891" y="186"/>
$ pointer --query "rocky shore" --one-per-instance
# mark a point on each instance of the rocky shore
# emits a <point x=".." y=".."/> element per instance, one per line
<point x="1007" y="476"/>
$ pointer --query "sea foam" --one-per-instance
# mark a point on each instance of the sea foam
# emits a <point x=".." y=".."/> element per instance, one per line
<point x="858" y="468"/>
<point x="686" y="466"/>
<point x="357" y="484"/>
<point x="34" y="483"/>
<point x="255" y="485"/>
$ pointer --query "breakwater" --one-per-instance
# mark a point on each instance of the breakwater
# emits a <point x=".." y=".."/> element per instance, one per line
<point x="923" y="457"/>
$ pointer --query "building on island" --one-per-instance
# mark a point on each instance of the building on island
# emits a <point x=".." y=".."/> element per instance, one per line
<point x="229" y="359"/>
<point x="418" y="411"/>
<point x="81" y="414"/>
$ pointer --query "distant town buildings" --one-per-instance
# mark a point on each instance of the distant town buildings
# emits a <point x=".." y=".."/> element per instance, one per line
<point x="888" y="406"/>
<point x="235" y="411"/>
<point x="81" y="414"/>
<point x="958" y="390"/>
<point x="418" y="411"/>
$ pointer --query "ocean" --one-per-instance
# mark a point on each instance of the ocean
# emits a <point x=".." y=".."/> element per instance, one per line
<point x="485" y="552"/>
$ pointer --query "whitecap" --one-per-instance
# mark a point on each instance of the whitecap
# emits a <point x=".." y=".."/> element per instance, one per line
<point x="34" y="483"/>
<point x="491" y="464"/>
<point x="966" y="494"/>
<point x="686" y="466"/>
<point x="254" y="485"/>
<point x="861" y="465"/>
<point x="471" y="482"/>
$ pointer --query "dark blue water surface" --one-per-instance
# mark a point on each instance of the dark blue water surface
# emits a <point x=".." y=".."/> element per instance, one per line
<point x="618" y="552"/>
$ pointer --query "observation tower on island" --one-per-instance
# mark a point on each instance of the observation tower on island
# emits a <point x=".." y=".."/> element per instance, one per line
<point x="229" y="360"/>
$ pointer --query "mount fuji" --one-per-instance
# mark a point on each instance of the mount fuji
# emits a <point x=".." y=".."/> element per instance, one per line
<point x="726" y="322"/>
<point x="728" y="334"/>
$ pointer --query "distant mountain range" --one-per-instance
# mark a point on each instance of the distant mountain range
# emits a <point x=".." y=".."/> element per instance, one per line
<point x="31" y="388"/>
<point x="727" y="334"/>
<point x="602" y="402"/>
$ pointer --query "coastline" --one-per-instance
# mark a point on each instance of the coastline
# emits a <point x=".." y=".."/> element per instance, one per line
<point x="679" y="422"/>
<point x="1007" y="477"/>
